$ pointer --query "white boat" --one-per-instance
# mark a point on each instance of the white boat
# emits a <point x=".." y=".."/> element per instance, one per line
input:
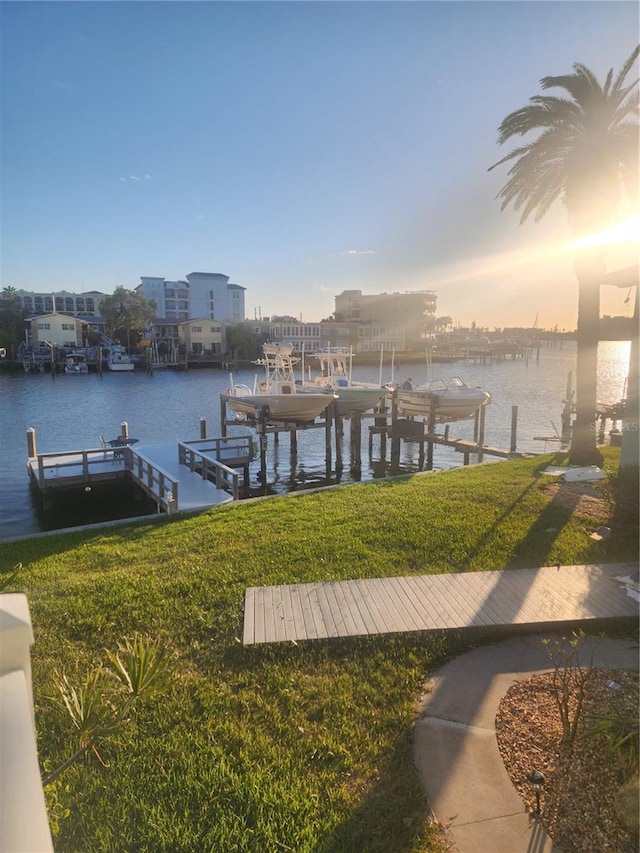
<point x="117" y="359"/>
<point x="277" y="398"/>
<point x="453" y="400"/>
<point x="76" y="362"/>
<point x="335" y="378"/>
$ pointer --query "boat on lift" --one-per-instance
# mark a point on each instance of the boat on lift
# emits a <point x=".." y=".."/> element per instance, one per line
<point x="76" y="363"/>
<point x="336" y="378"/>
<point x="117" y="359"/>
<point x="277" y="398"/>
<point x="451" y="401"/>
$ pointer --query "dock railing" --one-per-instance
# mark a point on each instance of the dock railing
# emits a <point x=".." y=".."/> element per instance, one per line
<point x="84" y="462"/>
<point x="207" y="457"/>
<point x="157" y="483"/>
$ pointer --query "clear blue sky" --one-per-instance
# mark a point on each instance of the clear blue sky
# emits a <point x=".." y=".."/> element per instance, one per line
<point x="302" y="148"/>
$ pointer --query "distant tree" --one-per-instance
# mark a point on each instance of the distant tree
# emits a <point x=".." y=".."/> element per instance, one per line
<point x="586" y="155"/>
<point x="11" y="320"/>
<point x="127" y="314"/>
<point x="244" y="344"/>
<point x="441" y="324"/>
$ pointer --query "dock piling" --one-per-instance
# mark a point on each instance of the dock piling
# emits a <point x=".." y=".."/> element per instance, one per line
<point x="32" y="449"/>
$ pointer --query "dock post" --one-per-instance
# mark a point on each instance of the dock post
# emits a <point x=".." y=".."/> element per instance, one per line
<point x="481" y="433"/>
<point x="431" y="428"/>
<point x="327" y="441"/>
<point x="124" y="429"/>
<point x="514" y="428"/>
<point x="476" y="420"/>
<point x="32" y="448"/>
<point x="293" y="442"/>
<point x="395" y="440"/>
<point x="203" y="427"/>
<point x="338" y="429"/>
<point x="223" y="417"/>
<point x="261" y="430"/>
<point x="355" y="435"/>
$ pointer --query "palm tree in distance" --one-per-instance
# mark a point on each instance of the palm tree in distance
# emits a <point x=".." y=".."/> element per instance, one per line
<point x="586" y="155"/>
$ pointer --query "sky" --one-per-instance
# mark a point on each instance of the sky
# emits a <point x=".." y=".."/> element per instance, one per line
<point x="301" y="148"/>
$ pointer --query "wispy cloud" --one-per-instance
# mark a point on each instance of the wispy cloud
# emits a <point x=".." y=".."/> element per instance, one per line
<point x="136" y="178"/>
<point x="358" y="252"/>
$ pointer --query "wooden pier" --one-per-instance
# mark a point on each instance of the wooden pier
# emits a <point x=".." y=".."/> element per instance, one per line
<point x="491" y="599"/>
<point x="188" y="476"/>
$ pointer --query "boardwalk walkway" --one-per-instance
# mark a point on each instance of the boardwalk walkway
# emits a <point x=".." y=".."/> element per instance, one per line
<point x="556" y="594"/>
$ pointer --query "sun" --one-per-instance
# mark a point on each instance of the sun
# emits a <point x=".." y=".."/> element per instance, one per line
<point x="627" y="231"/>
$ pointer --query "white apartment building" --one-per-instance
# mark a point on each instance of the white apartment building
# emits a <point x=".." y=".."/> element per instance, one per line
<point x="81" y="304"/>
<point x="201" y="294"/>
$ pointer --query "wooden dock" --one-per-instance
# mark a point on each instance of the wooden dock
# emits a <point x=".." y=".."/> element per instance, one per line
<point x="191" y="475"/>
<point x="366" y="607"/>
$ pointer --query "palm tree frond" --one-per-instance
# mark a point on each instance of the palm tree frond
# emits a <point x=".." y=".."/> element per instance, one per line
<point x="625" y="69"/>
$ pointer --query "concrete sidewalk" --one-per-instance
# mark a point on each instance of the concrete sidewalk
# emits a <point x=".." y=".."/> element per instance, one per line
<point x="456" y="751"/>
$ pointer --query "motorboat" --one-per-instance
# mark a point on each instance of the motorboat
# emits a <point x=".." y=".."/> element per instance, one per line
<point x="451" y="401"/>
<point x="277" y="398"/>
<point x="117" y="359"/>
<point x="75" y="362"/>
<point x="336" y="378"/>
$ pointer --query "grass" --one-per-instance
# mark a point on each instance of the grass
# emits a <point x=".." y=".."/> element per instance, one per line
<point x="261" y="749"/>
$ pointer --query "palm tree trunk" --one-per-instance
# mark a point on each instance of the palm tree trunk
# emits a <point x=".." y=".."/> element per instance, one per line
<point x="589" y="268"/>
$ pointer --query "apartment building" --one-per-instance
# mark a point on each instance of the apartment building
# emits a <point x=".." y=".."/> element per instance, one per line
<point x="200" y="294"/>
<point x="388" y="320"/>
<point x="80" y="304"/>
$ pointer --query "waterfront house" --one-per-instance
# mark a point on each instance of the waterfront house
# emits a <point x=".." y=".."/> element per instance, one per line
<point x="61" y="330"/>
<point x="203" y="336"/>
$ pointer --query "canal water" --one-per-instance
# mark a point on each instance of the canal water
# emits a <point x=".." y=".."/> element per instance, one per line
<point x="71" y="412"/>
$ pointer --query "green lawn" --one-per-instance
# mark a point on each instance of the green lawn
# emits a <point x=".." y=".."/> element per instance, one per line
<point x="261" y="749"/>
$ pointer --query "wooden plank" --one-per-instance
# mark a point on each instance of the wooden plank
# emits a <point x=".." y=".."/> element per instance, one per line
<point x="298" y="616"/>
<point x="574" y="591"/>
<point x="411" y="599"/>
<point x="327" y="610"/>
<point x="313" y="624"/>
<point x="305" y="609"/>
<point x="490" y="602"/>
<point x="260" y="636"/>
<point x="287" y="611"/>
<point x="400" y="604"/>
<point x="466" y="592"/>
<point x="376" y="607"/>
<point x="354" y="602"/>
<point x="248" y="635"/>
<point x="423" y="602"/>
<point x="517" y="594"/>
<point x="280" y="633"/>
<point x="342" y="617"/>
<point x="438" y="587"/>
<point x="316" y="612"/>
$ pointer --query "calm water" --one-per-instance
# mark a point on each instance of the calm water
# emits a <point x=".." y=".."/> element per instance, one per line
<point x="70" y="412"/>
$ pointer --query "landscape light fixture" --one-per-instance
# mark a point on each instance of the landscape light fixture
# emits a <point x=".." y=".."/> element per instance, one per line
<point x="537" y="783"/>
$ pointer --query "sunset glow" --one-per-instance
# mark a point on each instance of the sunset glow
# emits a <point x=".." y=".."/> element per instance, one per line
<point x="627" y="231"/>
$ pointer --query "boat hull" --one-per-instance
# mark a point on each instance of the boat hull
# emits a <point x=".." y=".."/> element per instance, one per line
<point x="356" y="401"/>
<point x="120" y="366"/>
<point x="450" y="405"/>
<point x="279" y="408"/>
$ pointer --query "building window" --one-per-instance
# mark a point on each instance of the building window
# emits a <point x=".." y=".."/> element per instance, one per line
<point x="44" y="325"/>
<point x="196" y="328"/>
